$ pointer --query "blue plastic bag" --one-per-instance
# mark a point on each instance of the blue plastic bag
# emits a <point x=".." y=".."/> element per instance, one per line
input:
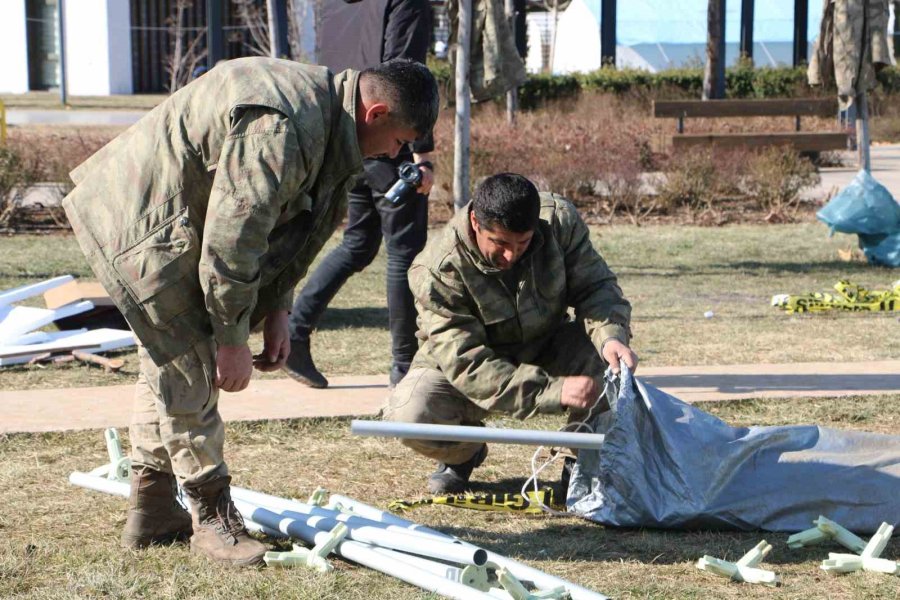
<point x="864" y="206"/>
<point x="881" y="250"/>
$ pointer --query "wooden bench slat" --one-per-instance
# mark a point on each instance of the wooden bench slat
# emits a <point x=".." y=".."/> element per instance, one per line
<point x="770" y="107"/>
<point x="803" y="141"/>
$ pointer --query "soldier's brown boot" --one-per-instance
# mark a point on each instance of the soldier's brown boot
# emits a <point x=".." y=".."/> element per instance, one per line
<point x="154" y="515"/>
<point x="219" y="531"/>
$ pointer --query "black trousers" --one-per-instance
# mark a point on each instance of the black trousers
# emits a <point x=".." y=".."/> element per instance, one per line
<point x="404" y="227"/>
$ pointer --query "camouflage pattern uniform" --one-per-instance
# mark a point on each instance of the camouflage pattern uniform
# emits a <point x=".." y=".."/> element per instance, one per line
<point x="199" y="221"/>
<point x="851" y="47"/>
<point x="493" y="341"/>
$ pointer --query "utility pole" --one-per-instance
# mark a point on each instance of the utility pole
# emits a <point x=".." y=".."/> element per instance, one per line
<point x="215" y="48"/>
<point x="461" y="132"/>
<point x="278" y="44"/>
<point x="747" y="29"/>
<point x="801" y="24"/>
<point x="512" y="96"/>
<point x="608" y="33"/>
<point x="61" y="22"/>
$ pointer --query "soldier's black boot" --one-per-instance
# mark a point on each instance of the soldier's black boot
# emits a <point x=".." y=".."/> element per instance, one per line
<point x="454" y="479"/>
<point x="398" y="372"/>
<point x="300" y="367"/>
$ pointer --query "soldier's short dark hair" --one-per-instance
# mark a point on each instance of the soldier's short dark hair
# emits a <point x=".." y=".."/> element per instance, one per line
<point x="508" y="200"/>
<point x="410" y="89"/>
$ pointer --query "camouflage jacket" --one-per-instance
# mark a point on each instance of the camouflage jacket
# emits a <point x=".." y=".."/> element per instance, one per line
<point x="482" y="335"/>
<point x="202" y="217"/>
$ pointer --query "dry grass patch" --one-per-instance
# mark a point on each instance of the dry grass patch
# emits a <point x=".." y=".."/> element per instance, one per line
<point x="60" y="542"/>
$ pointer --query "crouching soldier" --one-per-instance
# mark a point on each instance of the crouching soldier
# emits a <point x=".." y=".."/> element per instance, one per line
<point x="493" y="293"/>
<point x="199" y="221"/>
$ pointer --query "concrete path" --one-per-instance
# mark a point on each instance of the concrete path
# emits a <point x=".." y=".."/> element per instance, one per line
<point x="885" y="170"/>
<point x="99" y="407"/>
<point x="73" y="117"/>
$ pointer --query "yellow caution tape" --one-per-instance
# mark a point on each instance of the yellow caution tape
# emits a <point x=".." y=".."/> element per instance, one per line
<point x="849" y="297"/>
<point x="496" y="502"/>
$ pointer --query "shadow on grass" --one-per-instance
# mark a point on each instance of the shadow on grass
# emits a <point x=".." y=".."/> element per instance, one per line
<point x="800" y="267"/>
<point x="362" y="316"/>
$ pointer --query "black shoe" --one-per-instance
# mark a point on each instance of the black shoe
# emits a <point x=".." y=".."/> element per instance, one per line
<point x="398" y="372"/>
<point x="300" y="367"/>
<point x="454" y="479"/>
<point x="566" y="477"/>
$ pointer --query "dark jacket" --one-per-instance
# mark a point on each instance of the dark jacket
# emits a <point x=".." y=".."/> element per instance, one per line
<point x="359" y="35"/>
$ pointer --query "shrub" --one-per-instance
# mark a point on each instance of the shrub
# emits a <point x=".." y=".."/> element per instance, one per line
<point x="775" y="178"/>
<point x="17" y="173"/>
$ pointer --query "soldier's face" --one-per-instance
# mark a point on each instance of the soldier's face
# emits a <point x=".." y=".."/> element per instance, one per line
<point x="381" y="135"/>
<point x="500" y="247"/>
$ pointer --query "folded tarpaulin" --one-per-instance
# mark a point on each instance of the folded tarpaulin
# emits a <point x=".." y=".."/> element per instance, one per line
<point x="667" y="464"/>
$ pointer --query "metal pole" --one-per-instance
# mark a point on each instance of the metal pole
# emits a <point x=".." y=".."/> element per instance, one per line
<point x="462" y="433"/>
<point x="215" y="47"/>
<point x="277" y="12"/>
<point x="608" y="33"/>
<point x="463" y="108"/>
<point x="61" y="21"/>
<point x="512" y="96"/>
<point x="747" y="29"/>
<point x="801" y="22"/>
<point x="862" y="132"/>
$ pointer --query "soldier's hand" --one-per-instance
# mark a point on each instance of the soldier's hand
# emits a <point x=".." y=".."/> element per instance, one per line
<point x="234" y="365"/>
<point x="427" y="180"/>
<point x="579" y="392"/>
<point x="615" y="351"/>
<point x="276" y="342"/>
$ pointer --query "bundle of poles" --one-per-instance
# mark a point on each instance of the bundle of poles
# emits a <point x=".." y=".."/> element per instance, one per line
<point x="378" y="540"/>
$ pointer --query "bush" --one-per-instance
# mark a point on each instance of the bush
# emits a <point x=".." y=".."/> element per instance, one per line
<point x="775" y="178"/>
<point x="17" y="173"/>
<point x="741" y="81"/>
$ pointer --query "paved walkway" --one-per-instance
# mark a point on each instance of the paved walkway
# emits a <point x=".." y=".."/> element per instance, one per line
<point x="73" y="117"/>
<point x="885" y="169"/>
<point x="99" y="407"/>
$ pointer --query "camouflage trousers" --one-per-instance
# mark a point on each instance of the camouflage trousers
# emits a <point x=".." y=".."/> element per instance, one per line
<point x="176" y="426"/>
<point x="426" y="396"/>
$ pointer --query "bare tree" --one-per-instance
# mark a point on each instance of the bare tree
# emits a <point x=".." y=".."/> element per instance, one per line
<point x="183" y="57"/>
<point x="255" y="19"/>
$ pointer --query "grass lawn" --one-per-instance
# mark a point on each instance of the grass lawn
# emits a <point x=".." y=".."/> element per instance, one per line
<point x="61" y="542"/>
<point x="671" y="274"/>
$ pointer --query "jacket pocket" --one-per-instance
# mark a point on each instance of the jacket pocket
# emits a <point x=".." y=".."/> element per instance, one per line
<point x="160" y="269"/>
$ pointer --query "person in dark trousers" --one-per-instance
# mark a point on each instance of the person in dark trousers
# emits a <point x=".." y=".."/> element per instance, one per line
<point x="359" y="35"/>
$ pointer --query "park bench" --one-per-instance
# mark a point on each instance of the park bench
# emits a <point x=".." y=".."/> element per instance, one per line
<point x="803" y="141"/>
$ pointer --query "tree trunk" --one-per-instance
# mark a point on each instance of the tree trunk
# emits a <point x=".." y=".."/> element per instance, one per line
<point x="714" y="75"/>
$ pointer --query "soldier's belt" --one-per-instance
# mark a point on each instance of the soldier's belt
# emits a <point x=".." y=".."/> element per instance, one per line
<point x="512" y="502"/>
<point x="849" y="297"/>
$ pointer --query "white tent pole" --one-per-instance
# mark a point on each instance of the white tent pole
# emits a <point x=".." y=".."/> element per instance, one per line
<point x="463" y="107"/>
<point x="521" y="571"/>
<point x="462" y="433"/>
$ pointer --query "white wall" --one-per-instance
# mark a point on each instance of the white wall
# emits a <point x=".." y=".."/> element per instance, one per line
<point x="98" y="47"/>
<point x="13" y="48"/>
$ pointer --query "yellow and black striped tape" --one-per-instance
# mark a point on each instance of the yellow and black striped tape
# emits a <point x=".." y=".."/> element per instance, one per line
<point x="511" y="502"/>
<point x="849" y="297"/>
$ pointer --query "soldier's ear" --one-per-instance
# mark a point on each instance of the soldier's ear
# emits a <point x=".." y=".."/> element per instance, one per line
<point x="376" y="112"/>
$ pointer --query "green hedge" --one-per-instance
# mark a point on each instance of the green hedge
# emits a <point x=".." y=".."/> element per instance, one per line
<point x="742" y="81"/>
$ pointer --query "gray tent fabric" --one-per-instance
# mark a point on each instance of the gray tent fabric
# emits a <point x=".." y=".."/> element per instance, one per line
<point x="852" y="45"/>
<point x="668" y="464"/>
